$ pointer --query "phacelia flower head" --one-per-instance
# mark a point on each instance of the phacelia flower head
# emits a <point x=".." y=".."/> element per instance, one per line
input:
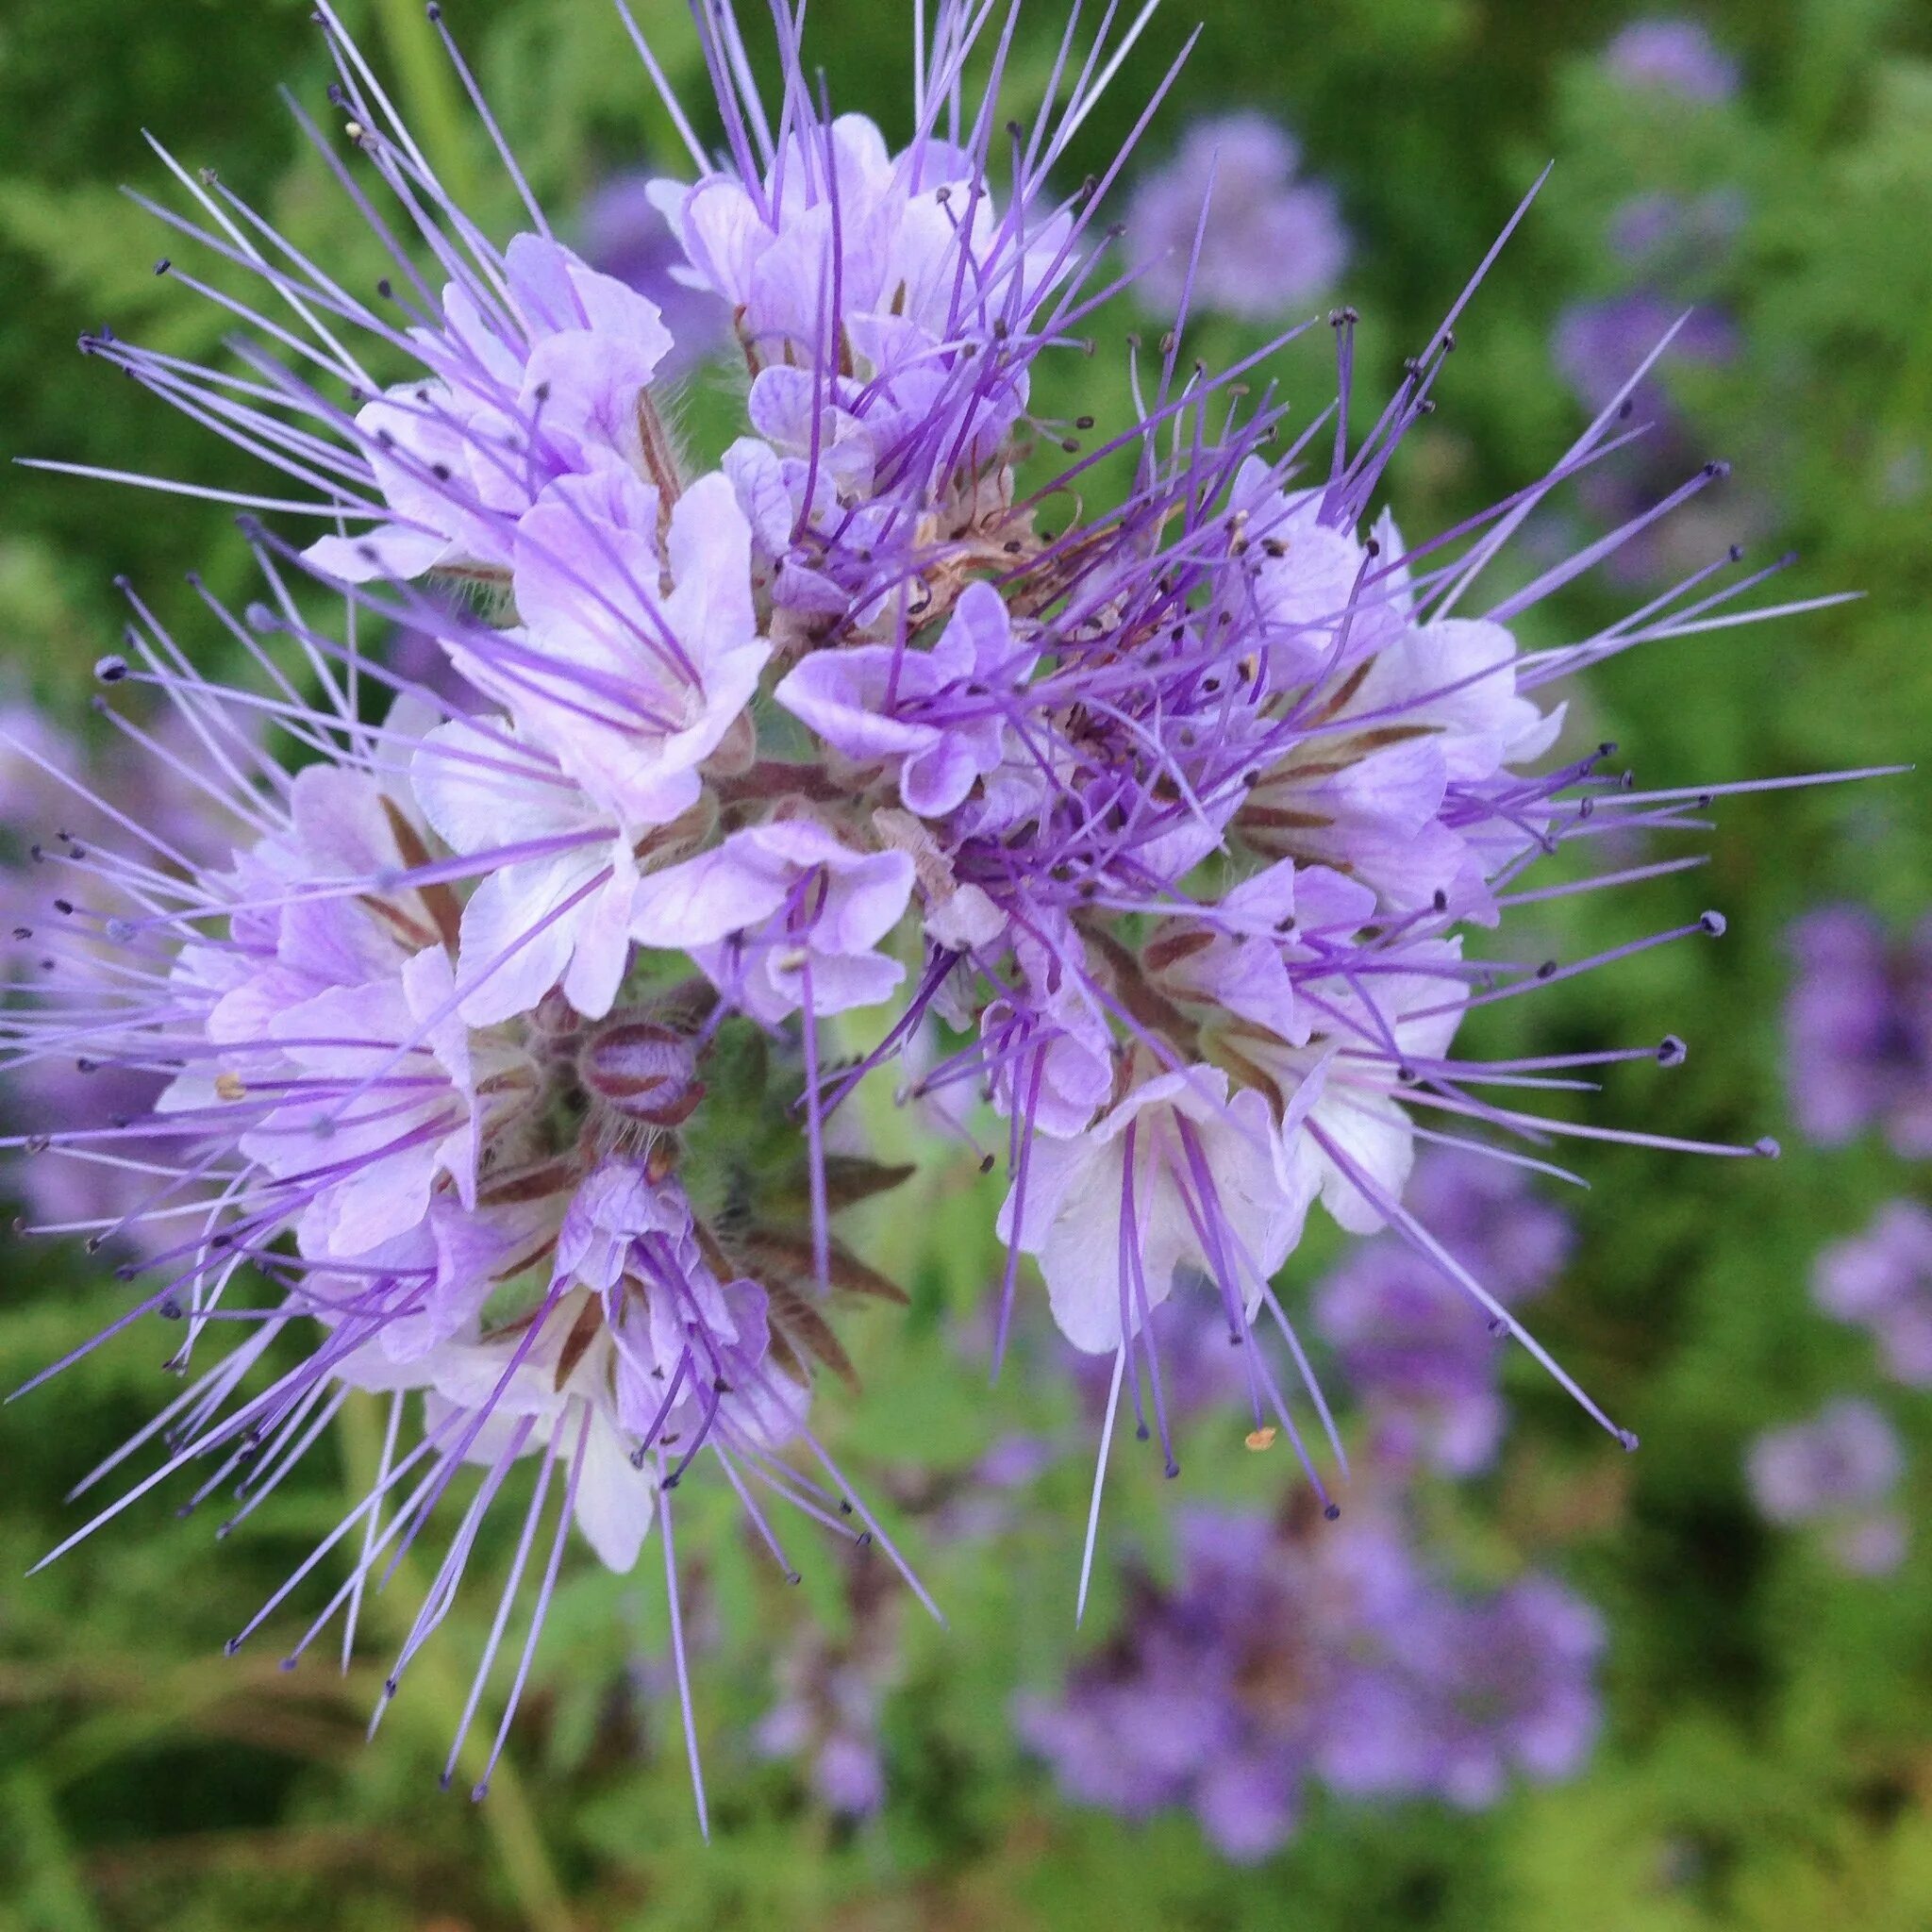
<point x="503" y="1046"/>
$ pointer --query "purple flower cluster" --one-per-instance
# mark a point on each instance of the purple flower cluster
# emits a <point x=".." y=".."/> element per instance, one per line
<point x="501" y="1049"/>
<point x="1419" y="1359"/>
<point x="1286" y="1654"/>
<point x="1858" y="1030"/>
<point x="1226" y="225"/>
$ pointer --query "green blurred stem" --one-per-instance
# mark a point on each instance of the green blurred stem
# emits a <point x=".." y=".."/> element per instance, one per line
<point x="429" y="95"/>
<point x="432" y="1702"/>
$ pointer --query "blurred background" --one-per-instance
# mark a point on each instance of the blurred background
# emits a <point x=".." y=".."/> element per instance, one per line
<point x="1693" y="1683"/>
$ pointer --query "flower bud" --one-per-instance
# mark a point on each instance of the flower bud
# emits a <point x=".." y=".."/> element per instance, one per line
<point x="643" y="1071"/>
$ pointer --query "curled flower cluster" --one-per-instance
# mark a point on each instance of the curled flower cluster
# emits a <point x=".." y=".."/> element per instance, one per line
<point x="501" y="1049"/>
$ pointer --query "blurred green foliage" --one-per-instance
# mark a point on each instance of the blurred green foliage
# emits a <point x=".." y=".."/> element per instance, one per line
<point x="1766" y="1762"/>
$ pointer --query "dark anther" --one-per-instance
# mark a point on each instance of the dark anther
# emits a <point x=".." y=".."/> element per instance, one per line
<point x="1547" y="970"/>
<point x="1670" y="1052"/>
<point x="1736" y="553"/>
<point x="162" y="266"/>
<point x="384" y="288"/>
<point x="1441" y="901"/>
<point x="1333" y="1511"/>
<point x="986" y="1163"/>
<point x="1712" y="923"/>
<point x="1767" y="1148"/>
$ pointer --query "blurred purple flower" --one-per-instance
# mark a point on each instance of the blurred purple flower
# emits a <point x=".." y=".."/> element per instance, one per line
<point x="830" y="1694"/>
<point x="1837" y="1472"/>
<point x="1476" y="1690"/>
<point x="1269" y="242"/>
<point x="626" y="235"/>
<point x="1598" y="343"/>
<point x="1882" y="1280"/>
<point x="1674" y="57"/>
<point x="1858" y="1030"/>
<point x="1412" y="1350"/>
<point x="1683" y="232"/>
<point x="1292" y="1653"/>
<point x="1595" y="346"/>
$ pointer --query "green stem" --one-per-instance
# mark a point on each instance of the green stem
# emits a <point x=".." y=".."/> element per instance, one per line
<point x="429" y="95"/>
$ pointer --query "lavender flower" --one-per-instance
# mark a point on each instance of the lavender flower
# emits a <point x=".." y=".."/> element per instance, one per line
<point x="1882" y="1280"/>
<point x="1226" y="225"/>
<point x="1837" y="1472"/>
<point x="497" y="1074"/>
<point x="1858" y="1030"/>
<point x="1420" y="1360"/>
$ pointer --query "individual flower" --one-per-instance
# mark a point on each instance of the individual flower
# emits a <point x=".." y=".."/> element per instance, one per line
<point x="1882" y="1280"/>
<point x="1837" y="1473"/>
<point x="1226" y="225"/>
